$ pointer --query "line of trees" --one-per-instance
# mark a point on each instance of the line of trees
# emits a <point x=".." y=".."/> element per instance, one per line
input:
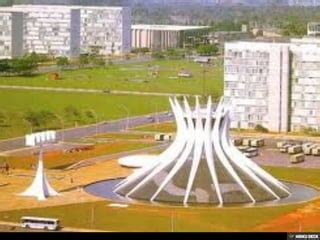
<point x="46" y="119"/>
<point x="18" y="66"/>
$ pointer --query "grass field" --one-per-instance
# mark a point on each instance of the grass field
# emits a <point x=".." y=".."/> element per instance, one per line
<point x="16" y="103"/>
<point x="167" y="127"/>
<point x="134" y="77"/>
<point x="59" y="159"/>
<point x="125" y="136"/>
<point x="147" y="218"/>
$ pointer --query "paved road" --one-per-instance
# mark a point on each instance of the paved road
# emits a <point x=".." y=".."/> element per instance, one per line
<point x="81" y="90"/>
<point x="87" y="131"/>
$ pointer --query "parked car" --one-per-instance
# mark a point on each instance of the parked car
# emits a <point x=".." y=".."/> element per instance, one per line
<point x="307" y="148"/>
<point x="295" y="149"/>
<point x="251" y="152"/>
<point x="284" y="148"/>
<point x="243" y="148"/>
<point x="246" y="142"/>
<point x="281" y="144"/>
<point x="298" y="158"/>
<point x="237" y="142"/>
<point x="257" y="142"/>
<point x="316" y="151"/>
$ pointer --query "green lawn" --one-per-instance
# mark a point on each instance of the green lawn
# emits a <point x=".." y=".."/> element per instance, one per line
<point x="147" y="218"/>
<point x="134" y="77"/>
<point x="167" y="127"/>
<point x="15" y="103"/>
<point x="61" y="160"/>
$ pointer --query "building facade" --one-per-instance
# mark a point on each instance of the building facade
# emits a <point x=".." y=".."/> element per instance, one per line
<point x="106" y="30"/>
<point x="276" y="85"/>
<point x="305" y="76"/>
<point x="314" y="29"/>
<point x="51" y="30"/>
<point x="256" y="75"/>
<point x="304" y="3"/>
<point x="11" y="29"/>
<point x="67" y="30"/>
<point x="167" y="36"/>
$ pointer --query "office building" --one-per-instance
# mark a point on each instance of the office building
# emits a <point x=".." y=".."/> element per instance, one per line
<point x="257" y="79"/>
<point x="11" y="33"/>
<point x="68" y="30"/>
<point x="167" y="36"/>
<point x="274" y="84"/>
<point x="51" y="29"/>
<point x="314" y="29"/>
<point x="106" y="30"/>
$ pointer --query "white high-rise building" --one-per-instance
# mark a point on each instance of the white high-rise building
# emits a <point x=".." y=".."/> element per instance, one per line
<point x="106" y="30"/>
<point x="67" y="30"/>
<point x="275" y="85"/>
<point x="305" y="82"/>
<point x="305" y="3"/>
<point x="11" y="33"/>
<point x="51" y="30"/>
<point x="257" y="79"/>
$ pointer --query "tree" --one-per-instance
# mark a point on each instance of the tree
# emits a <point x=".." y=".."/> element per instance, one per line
<point x="261" y="129"/>
<point x="3" y="118"/>
<point x="5" y="66"/>
<point x="158" y="55"/>
<point x="62" y="62"/>
<point x="23" y="66"/>
<point x="84" y="59"/>
<point x="174" y="53"/>
<point x="72" y="113"/>
<point x="98" y="61"/>
<point x="207" y="50"/>
<point x="39" y="118"/>
<point x="33" y="118"/>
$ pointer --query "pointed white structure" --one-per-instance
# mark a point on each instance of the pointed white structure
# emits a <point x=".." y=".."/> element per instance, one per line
<point x="202" y="165"/>
<point x="40" y="187"/>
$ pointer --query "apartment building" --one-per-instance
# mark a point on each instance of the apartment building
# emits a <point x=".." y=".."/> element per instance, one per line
<point x="11" y="29"/>
<point x="276" y="85"/>
<point x="71" y="30"/>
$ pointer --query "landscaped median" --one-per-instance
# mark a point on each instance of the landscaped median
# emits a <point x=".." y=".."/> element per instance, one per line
<point x="60" y="159"/>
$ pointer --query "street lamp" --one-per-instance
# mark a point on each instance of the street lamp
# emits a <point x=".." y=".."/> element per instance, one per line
<point x="204" y="71"/>
<point x="128" y="114"/>
<point x="62" y="125"/>
<point x="96" y="119"/>
<point x="157" y="114"/>
<point x="30" y="124"/>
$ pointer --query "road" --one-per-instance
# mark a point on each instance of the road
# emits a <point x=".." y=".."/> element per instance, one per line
<point x="90" y="130"/>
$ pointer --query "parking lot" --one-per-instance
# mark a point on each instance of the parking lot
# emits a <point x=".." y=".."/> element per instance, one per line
<point x="270" y="155"/>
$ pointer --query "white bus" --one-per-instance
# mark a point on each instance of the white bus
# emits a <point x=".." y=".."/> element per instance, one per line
<point x="40" y="223"/>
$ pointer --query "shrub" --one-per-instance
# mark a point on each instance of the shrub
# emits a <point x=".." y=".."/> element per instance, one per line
<point x="260" y="128"/>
